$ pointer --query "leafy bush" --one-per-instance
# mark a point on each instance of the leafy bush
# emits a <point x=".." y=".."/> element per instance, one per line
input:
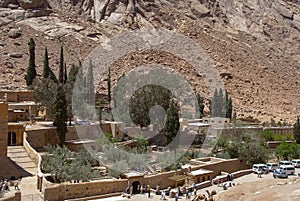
<point x="278" y="137"/>
<point x="267" y="135"/>
<point x="65" y="165"/>
<point x="245" y="146"/>
<point x="287" y="151"/>
<point x="101" y="101"/>
<point x="289" y="136"/>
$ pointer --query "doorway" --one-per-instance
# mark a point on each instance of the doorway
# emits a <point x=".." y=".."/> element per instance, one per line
<point x="136" y="187"/>
<point x="12" y="139"/>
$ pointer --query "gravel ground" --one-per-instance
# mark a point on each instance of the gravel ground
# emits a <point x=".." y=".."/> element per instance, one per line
<point x="248" y="187"/>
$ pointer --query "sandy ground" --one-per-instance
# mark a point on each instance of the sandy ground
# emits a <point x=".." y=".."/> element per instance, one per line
<point x="247" y="188"/>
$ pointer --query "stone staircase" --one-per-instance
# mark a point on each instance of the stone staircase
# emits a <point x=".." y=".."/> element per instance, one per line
<point x="22" y="161"/>
<point x="28" y="170"/>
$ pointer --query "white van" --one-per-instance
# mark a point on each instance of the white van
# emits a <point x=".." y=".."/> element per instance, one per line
<point x="257" y="167"/>
<point x="272" y="166"/>
<point x="285" y="163"/>
<point x="296" y="163"/>
<point x="289" y="169"/>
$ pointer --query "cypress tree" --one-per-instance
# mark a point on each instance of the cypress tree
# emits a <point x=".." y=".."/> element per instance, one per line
<point x="47" y="72"/>
<point x="60" y="117"/>
<point x="79" y="91"/>
<point x="61" y="66"/>
<point x="90" y="85"/>
<point x="226" y="104"/>
<point x="109" y="87"/>
<point x="46" y="69"/>
<point x="72" y="74"/>
<point x="229" y="109"/>
<point x="31" y="72"/>
<point x="52" y="76"/>
<point x="70" y="86"/>
<point x="172" y="124"/>
<point x="200" y="100"/>
<point x="221" y="103"/>
<point x="214" y="104"/>
<point x="65" y="74"/>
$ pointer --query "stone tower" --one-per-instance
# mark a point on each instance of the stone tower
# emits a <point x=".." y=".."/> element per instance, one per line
<point x="3" y="127"/>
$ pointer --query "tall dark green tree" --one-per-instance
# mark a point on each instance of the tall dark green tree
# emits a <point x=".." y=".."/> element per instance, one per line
<point x="47" y="72"/>
<point x="60" y="117"/>
<point x="44" y="94"/>
<point x="109" y="86"/>
<point x="200" y="100"/>
<point x="31" y="71"/>
<point x="61" y="66"/>
<point x="172" y="124"/>
<point x="79" y="93"/>
<point x="72" y="74"/>
<point x="46" y="69"/>
<point x="297" y="131"/>
<point x="70" y="86"/>
<point x="65" y="74"/>
<point x="90" y="85"/>
<point x="229" y="109"/>
<point x="221" y="104"/>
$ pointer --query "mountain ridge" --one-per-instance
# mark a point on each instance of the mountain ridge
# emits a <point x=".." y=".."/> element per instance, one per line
<point x="255" y="45"/>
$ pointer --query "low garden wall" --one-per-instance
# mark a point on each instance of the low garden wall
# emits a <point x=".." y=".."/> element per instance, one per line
<point x="16" y="197"/>
<point x="81" y="190"/>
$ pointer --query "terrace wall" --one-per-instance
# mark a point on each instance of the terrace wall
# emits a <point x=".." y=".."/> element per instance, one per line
<point x="70" y="191"/>
<point x="17" y="96"/>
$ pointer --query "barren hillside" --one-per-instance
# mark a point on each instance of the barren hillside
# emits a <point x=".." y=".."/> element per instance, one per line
<point x="255" y="44"/>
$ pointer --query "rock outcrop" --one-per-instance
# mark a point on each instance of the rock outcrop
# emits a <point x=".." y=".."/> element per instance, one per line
<point x="254" y="43"/>
<point x="32" y="4"/>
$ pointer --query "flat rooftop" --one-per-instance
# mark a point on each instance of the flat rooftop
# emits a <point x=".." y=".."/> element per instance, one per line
<point x="200" y="172"/>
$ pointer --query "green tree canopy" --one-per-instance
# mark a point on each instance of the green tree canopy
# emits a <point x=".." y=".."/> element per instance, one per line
<point x="287" y="151"/>
<point x="245" y="146"/>
<point x="144" y="99"/>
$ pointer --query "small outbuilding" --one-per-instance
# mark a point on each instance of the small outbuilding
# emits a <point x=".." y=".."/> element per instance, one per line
<point x="200" y="175"/>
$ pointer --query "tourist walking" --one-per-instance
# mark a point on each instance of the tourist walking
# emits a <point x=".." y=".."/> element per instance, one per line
<point x="176" y="197"/>
<point x="148" y="191"/>
<point x="17" y="186"/>
<point x="163" y="195"/>
<point x="186" y="192"/>
<point x="131" y="190"/>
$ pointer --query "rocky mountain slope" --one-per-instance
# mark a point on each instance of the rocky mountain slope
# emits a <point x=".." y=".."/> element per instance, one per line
<point x="255" y="44"/>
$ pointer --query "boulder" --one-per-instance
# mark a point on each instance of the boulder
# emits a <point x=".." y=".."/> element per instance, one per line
<point x="15" y="55"/>
<point x="13" y="6"/>
<point x="5" y="3"/>
<point x="32" y="4"/>
<point x="9" y="64"/>
<point x="14" y="33"/>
